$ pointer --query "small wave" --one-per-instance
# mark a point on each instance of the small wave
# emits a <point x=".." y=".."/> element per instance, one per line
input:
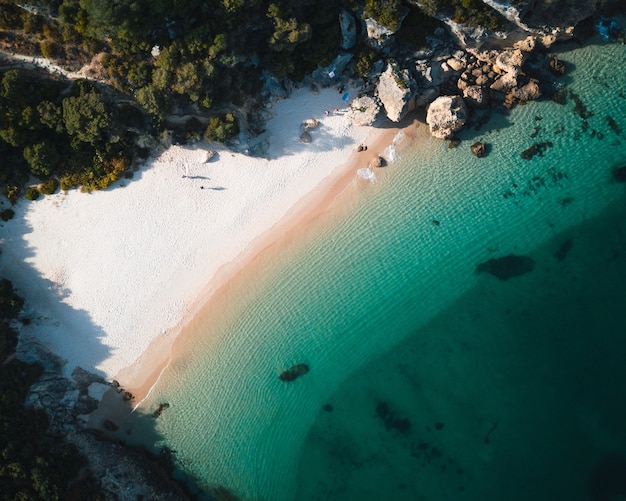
<point x="366" y="173"/>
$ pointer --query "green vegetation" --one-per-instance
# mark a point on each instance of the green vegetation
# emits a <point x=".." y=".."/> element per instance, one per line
<point x="44" y="132"/>
<point x="389" y="13"/>
<point x="472" y="12"/>
<point x="33" y="464"/>
<point x="222" y="128"/>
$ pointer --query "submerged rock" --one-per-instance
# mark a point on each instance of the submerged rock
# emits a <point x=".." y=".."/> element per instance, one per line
<point x="507" y="267"/>
<point x="160" y="409"/>
<point x="563" y="250"/>
<point x="479" y="149"/>
<point x="619" y="174"/>
<point x="305" y="137"/>
<point x="294" y="372"/>
<point x="557" y="67"/>
<point x="536" y="149"/>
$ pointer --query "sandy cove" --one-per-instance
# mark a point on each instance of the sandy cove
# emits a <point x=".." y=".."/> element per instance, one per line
<point x="107" y="274"/>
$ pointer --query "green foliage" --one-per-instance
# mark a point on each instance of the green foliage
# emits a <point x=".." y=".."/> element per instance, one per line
<point x="86" y="118"/>
<point x="31" y="193"/>
<point x="49" y="186"/>
<point x="222" y="129"/>
<point x="389" y="13"/>
<point x="42" y="158"/>
<point x="364" y="61"/>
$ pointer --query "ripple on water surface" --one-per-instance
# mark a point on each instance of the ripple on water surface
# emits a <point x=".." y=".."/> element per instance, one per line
<point x="399" y="271"/>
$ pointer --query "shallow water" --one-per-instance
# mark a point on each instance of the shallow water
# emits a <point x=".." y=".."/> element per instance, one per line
<point x="441" y="382"/>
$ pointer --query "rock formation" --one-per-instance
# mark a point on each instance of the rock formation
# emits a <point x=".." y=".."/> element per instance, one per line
<point x="396" y="91"/>
<point x="479" y="149"/>
<point x="363" y="111"/>
<point x="294" y="372"/>
<point x="348" y="30"/>
<point x="446" y="115"/>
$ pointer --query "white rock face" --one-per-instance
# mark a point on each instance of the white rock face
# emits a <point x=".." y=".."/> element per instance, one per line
<point x="396" y="91"/>
<point x="446" y="115"/>
<point x="509" y="61"/>
<point x="363" y="111"/>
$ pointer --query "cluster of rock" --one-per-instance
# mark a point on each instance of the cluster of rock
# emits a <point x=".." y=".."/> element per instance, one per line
<point x="471" y="64"/>
<point x="450" y="82"/>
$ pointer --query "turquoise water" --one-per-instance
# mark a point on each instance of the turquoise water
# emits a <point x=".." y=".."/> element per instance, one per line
<point x="428" y="380"/>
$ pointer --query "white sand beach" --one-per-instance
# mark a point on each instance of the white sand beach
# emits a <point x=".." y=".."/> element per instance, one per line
<point x="105" y="274"/>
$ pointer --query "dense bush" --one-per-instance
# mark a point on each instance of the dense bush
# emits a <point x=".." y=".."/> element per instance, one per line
<point x="31" y="193"/>
<point x="222" y="128"/>
<point x="49" y="186"/>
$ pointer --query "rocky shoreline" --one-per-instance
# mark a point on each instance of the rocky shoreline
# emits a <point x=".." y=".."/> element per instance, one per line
<point x="462" y="72"/>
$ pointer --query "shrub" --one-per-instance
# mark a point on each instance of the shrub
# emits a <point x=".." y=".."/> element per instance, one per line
<point x="7" y="214"/>
<point x="49" y="186"/>
<point x="221" y="129"/>
<point x="32" y="193"/>
<point x="11" y="192"/>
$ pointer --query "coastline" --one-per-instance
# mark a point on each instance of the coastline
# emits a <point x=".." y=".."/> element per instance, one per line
<point x="329" y="196"/>
<point x="113" y="272"/>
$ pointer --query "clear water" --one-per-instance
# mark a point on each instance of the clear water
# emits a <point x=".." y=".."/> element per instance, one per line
<point x="511" y="389"/>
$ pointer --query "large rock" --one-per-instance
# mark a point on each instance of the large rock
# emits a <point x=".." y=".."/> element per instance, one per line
<point x="363" y="111"/>
<point x="396" y="90"/>
<point x="446" y="115"/>
<point x="476" y="96"/>
<point x="509" y="61"/>
<point x="528" y="92"/>
<point x="348" y="30"/>
<point x="377" y="34"/>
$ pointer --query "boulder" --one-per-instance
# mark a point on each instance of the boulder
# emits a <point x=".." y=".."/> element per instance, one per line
<point x="446" y="115"/>
<point x="455" y="64"/>
<point x="476" y="96"/>
<point x="377" y="34"/>
<point x="507" y="267"/>
<point x="294" y="372"/>
<point x="305" y="137"/>
<point x="479" y="149"/>
<point x="396" y="91"/>
<point x="363" y="110"/>
<point x="557" y="67"/>
<point x="505" y="83"/>
<point x="528" y="92"/>
<point x="348" y="29"/>
<point x="509" y="61"/>
<point x="377" y="162"/>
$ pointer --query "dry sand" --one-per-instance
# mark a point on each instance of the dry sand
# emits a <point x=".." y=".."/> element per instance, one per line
<point x="108" y="274"/>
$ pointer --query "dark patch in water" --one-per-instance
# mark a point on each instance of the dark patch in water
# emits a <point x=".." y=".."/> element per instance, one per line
<point x="536" y="149"/>
<point x="507" y="267"/>
<point x="328" y="408"/>
<point x="607" y="479"/>
<point x="619" y="174"/>
<point x="535" y="132"/>
<point x="560" y="97"/>
<point x="563" y="250"/>
<point x="613" y="125"/>
<point x="566" y="201"/>
<point x="579" y="107"/>
<point x="391" y="421"/>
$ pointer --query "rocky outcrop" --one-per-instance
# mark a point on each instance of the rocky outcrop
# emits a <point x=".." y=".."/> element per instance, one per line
<point x="377" y="34"/>
<point x="479" y="149"/>
<point x="348" y="30"/>
<point x="446" y="115"/>
<point x="363" y="110"/>
<point x="294" y="372"/>
<point x="476" y="96"/>
<point x="528" y="92"/>
<point x="396" y="91"/>
<point x="507" y="267"/>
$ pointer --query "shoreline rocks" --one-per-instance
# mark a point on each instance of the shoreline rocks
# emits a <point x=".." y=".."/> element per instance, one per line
<point x="479" y="149"/>
<point x="446" y="115"/>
